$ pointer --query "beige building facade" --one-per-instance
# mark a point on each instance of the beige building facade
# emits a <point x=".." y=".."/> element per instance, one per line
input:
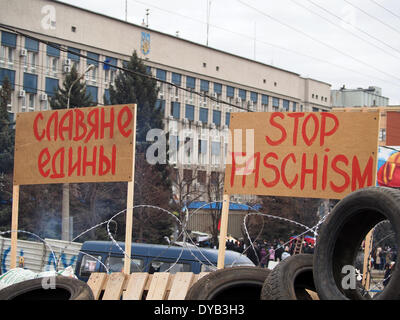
<point x="37" y="69"/>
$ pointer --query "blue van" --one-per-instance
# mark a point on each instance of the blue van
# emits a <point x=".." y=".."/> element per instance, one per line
<point x="103" y="256"/>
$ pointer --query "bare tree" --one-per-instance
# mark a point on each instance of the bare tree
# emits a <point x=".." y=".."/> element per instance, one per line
<point x="215" y="189"/>
<point x="185" y="191"/>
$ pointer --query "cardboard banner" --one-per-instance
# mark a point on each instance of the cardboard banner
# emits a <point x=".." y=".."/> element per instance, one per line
<point x="311" y="155"/>
<point x="92" y="144"/>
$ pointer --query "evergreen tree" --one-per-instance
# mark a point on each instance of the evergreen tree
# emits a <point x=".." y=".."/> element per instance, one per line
<point x="6" y="156"/>
<point x="152" y="184"/>
<point x="78" y="98"/>
<point x="132" y="87"/>
<point x="6" y="130"/>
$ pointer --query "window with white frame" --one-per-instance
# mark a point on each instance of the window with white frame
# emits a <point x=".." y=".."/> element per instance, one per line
<point x="215" y="152"/>
<point x="51" y="65"/>
<point x="202" y="151"/>
<point x="7" y="57"/>
<point x="31" y="101"/>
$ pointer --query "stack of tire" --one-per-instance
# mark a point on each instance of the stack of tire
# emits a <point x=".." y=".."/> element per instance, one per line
<point x="319" y="275"/>
<point x="51" y="288"/>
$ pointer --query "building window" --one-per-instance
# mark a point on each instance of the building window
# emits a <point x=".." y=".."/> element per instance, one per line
<point x="93" y="59"/>
<point x="30" y="60"/>
<point x="315" y="109"/>
<point x="254" y="97"/>
<point x="161" y="74"/>
<point x="53" y="56"/>
<point x="10" y="74"/>
<point x="242" y="94"/>
<point x="51" y="86"/>
<point x="30" y="83"/>
<point x="160" y="105"/>
<point x="215" y="152"/>
<point x="176" y="78"/>
<point x="227" y="118"/>
<point x="93" y="91"/>
<point x="75" y="59"/>
<point x="203" y="115"/>
<point x="275" y="102"/>
<point x="230" y="92"/>
<point x="202" y="154"/>
<point x="217" y="117"/>
<point x="110" y="69"/>
<point x="190" y="82"/>
<point x="202" y="176"/>
<point x="31" y="101"/>
<point x="8" y="45"/>
<point x="294" y="106"/>
<point x="204" y="85"/>
<point x="285" y="105"/>
<point x="175" y="109"/>
<point x="189" y="112"/>
<point x="218" y="88"/>
<point x="264" y="99"/>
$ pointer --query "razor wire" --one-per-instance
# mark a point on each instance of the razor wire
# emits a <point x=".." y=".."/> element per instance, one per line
<point x="186" y="236"/>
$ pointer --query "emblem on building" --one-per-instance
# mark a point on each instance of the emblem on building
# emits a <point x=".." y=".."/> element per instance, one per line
<point x="145" y="43"/>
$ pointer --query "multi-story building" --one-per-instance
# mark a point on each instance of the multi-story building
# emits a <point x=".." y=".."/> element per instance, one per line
<point x="36" y="69"/>
<point x="371" y="97"/>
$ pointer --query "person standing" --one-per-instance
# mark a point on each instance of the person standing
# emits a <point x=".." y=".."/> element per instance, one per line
<point x="263" y="257"/>
<point x="285" y="253"/>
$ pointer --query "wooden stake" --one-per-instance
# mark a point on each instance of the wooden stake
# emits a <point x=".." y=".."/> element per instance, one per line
<point x="223" y="231"/>
<point x="129" y="205"/>
<point x="14" y="227"/>
<point x="367" y="251"/>
<point x="368" y="239"/>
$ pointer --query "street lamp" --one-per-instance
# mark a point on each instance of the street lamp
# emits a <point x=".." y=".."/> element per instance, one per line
<point x="65" y="188"/>
<point x="90" y="67"/>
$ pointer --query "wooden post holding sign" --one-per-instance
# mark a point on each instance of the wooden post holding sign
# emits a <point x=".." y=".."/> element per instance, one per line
<point x="301" y="154"/>
<point x="129" y="208"/>
<point x="95" y="144"/>
<point x="223" y="231"/>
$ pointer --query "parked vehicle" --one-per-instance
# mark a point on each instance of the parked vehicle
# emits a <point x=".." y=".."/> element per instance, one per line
<point x="98" y="256"/>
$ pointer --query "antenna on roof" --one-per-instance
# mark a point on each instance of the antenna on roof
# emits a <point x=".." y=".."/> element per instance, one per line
<point x="126" y="10"/>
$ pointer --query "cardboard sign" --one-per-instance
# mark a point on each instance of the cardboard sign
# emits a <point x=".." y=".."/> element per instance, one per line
<point x="311" y="155"/>
<point x="74" y="145"/>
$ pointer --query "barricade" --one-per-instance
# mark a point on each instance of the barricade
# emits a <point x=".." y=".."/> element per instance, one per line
<point x="142" y="285"/>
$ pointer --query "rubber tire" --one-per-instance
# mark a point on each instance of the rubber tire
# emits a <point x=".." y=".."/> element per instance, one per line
<point x="342" y="233"/>
<point x="289" y="279"/>
<point x="236" y="283"/>
<point x="65" y="289"/>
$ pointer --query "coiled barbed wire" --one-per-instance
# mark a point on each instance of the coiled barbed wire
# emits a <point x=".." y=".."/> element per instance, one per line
<point x="184" y="233"/>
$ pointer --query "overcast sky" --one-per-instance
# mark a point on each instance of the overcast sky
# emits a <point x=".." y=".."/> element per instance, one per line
<point x="355" y="43"/>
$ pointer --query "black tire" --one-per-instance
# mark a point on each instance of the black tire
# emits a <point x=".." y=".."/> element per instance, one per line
<point x="58" y="288"/>
<point x="236" y="283"/>
<point x="341" y="235"/>
<point x="290" y="279"/>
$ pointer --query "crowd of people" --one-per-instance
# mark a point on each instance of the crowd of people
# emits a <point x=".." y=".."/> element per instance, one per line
<point x="381" y="257"/>
<point x="265" y="251"/>
<point x="384" y="259"/>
